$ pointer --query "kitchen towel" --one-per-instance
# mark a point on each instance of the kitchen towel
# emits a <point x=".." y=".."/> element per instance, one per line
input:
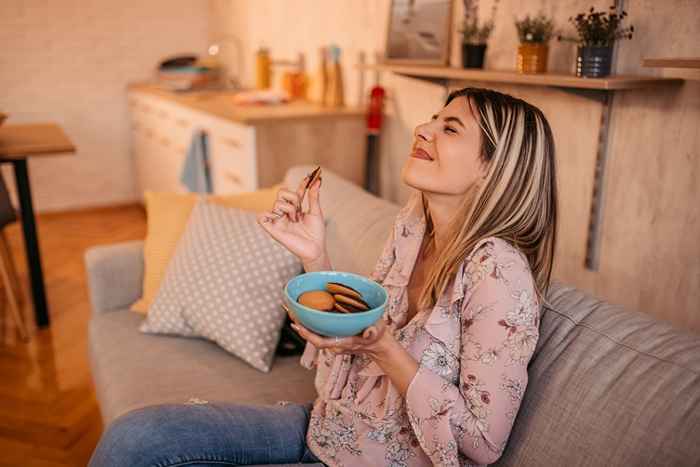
<point x="195" y="174"/>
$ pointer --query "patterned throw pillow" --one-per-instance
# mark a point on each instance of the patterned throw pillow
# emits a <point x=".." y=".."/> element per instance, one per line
<point x="225" y="283"/>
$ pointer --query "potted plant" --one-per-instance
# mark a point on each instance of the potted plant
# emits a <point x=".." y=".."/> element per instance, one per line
<point x="597" y="33"/>
<point x="474" y="36"/>
<point x="534" y="34"/>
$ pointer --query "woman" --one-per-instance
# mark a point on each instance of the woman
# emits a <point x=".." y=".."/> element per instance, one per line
<point x="439" y="380"/>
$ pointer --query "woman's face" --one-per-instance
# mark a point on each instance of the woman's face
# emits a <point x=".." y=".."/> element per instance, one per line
<point x="452" y="140"/>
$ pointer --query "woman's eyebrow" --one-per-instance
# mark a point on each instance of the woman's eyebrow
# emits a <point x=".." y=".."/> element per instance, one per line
<point x="451" y="119"/>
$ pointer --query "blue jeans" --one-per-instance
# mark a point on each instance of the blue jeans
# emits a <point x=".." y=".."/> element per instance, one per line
<point x="206" y="434"/>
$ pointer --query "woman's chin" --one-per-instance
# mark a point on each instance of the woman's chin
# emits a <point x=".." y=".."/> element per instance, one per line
<point x="414" y="177"/>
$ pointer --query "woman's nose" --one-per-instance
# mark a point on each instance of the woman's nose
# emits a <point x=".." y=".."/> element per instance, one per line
<point x="423" y="132"/>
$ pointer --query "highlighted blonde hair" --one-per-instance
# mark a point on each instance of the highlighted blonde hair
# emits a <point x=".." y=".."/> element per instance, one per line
<point x="517" y="201"/>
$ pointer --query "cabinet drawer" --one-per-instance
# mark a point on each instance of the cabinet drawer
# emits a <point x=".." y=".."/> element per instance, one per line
<point x="232" y="152"/>
<point x="232" y="168"/>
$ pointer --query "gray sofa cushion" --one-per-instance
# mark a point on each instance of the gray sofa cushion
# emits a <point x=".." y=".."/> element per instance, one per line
<point x="225" y="282"/>
<point x="607" y="387"/>
<point x="127" y="377"/>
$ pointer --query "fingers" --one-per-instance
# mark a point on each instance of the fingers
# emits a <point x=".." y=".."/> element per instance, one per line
<point x="302" y="186"/>
<point x="314" y="197"/>
<point x="291" y="198"/>
<point x="292" y="316"/>
<point x="343" y="344"/>
<point x="266" y="218"/>
<point x="370" y="333"/>
<point x="285" y="207"/>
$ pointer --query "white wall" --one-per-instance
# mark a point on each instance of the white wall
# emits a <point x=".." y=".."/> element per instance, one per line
<point x="68" y="62"/>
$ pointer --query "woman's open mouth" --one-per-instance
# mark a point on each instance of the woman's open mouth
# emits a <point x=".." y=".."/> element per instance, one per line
<point x="421" y="154"/>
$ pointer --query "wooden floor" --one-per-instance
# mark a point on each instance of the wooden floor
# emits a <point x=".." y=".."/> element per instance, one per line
<point x="48" y="413"/>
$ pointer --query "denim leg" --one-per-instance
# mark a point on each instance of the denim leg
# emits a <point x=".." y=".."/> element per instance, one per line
<point x="207" y="434"/>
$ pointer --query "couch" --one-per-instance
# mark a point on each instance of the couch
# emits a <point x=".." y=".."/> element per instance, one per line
<point x="607" y="386"/>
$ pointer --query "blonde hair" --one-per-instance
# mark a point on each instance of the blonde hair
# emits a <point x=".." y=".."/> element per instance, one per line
<point x="517" y="200"/>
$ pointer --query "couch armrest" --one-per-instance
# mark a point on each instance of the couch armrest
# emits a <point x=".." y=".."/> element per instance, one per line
<point x="114" y="275"/>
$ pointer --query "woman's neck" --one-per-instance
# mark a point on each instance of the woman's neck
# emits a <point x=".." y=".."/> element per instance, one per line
<point x="441" y="209"/>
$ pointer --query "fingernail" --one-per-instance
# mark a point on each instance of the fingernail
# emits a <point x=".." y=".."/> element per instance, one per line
<point x="295" y="327"/>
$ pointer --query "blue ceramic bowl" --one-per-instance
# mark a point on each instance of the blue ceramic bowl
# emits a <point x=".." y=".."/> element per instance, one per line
<point x="335" y="324"/>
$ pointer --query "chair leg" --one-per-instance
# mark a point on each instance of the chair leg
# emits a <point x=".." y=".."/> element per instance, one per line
<point x="5" y="267"/>
<point x="7" y="252"/>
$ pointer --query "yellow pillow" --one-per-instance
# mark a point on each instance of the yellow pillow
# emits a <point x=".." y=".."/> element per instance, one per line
<point x="167" y="215"/>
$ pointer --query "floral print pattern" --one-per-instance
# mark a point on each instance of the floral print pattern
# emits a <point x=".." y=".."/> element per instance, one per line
<point x="473" y="349"/>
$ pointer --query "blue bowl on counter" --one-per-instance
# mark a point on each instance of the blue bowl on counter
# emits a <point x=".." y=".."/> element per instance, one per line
<point x="332" y="324"/>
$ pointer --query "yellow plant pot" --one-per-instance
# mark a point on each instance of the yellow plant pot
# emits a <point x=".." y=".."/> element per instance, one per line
<point x="532" y="58"/>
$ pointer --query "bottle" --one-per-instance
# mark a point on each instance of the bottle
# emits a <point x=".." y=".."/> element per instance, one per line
<point x="334" y="94"/>
<point x="302" y="79"/>
<point x="320" y="82"/>
<point x="262" y="69"/>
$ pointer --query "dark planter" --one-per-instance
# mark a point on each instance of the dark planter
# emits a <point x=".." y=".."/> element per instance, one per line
<point x="593" y="62"/>
<point x="473" y="55"/>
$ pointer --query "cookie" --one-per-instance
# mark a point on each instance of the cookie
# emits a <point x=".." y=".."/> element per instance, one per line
<point x="357" y="303"/>
<point x="338" y="288"/>
<point x="345" y="308"/>
<point x="342" y="309"/>
<point x="317" y="299"/>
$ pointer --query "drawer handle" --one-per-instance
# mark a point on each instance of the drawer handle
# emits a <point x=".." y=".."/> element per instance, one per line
<point x="232" y="142"/>
<point x="234" y="178"/>
<point x="182" y="123"/>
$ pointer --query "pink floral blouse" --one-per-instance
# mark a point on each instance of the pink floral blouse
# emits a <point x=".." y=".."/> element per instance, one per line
<point x="473" y="349"/>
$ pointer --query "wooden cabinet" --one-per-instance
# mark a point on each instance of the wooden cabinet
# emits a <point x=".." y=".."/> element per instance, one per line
<point x="248" y="148"/>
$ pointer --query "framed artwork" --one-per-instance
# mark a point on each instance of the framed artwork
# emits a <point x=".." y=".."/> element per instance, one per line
<point x="419" y="32"/>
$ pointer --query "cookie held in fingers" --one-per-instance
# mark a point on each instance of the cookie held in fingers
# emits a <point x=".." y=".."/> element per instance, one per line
<point x="342" y="289"/>
<point x="357" y="303"/>
<point x="317" y="299"/>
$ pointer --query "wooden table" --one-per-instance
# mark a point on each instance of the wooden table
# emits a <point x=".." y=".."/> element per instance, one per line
<point x="17" y="143"/>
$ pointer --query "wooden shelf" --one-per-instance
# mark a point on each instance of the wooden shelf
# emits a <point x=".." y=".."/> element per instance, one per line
<point x="610" y="83"/>
<point x="687" y="62"/>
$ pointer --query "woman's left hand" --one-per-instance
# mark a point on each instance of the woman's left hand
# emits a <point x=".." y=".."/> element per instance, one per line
<point x="370" y="342"/>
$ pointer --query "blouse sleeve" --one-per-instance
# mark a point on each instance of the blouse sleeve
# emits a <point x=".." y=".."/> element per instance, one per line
<point x="499" y="319"/>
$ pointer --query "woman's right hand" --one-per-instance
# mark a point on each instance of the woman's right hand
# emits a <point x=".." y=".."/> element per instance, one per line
<point x="302" y="233"/>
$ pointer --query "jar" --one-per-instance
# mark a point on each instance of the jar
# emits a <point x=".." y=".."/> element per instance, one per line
<point x="532" y="58"/>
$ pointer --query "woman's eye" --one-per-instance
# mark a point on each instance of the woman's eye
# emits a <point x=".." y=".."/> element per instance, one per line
<point x="449" y="129"/>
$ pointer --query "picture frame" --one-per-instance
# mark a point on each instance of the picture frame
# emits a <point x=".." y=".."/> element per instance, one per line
<point x="419" y="32"/>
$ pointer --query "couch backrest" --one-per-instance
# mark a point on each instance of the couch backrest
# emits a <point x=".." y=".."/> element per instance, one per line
<point x="606" y="386"/>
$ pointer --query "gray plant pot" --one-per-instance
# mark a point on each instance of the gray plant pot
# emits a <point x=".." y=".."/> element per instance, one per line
<point x="593" y="62"/>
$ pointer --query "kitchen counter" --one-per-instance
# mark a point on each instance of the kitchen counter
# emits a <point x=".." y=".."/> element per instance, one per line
<point x="220" y="104"/>
<point x="249" y="146"/>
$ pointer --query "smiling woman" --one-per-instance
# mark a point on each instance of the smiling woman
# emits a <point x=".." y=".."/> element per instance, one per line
<point x="440" y="377"/>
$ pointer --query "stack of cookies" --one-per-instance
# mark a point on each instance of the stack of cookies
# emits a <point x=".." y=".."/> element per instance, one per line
<point x="338" y="298"/>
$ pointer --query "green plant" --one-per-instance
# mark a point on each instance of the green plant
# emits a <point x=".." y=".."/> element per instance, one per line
<point x="472" y="32"/>
<point x="537" y="30"/>
<point x="598" y="28"/>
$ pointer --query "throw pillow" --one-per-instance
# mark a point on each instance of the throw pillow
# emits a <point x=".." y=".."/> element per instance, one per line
<point x="225" y="283"/>
<point x="167" y="215"/>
